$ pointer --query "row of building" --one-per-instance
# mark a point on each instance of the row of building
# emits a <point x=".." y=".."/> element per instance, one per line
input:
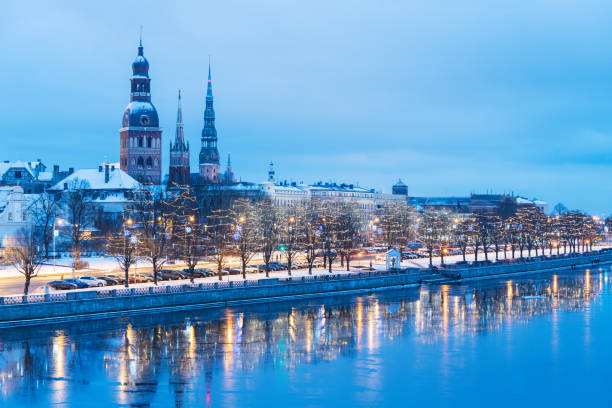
<point x="110" y="185"/>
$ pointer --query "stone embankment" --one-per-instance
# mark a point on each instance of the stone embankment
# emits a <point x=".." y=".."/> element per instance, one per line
<point x="66" y="306"/>
<point x="527" y="265"/>
<point x="105" y="303"/>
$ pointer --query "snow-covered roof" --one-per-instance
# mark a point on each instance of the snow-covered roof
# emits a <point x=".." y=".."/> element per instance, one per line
<point x="521" y="200"/>
<point x="45" y="176"/>
<point x="6" y="166"/>
<point x="94" y="179"/>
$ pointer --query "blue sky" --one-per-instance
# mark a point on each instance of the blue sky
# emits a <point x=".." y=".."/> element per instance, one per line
<point x="452" y="97"/>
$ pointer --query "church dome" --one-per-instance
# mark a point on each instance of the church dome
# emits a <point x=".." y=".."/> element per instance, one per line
<point x="140" y="66"/>
<point x="140" y="114"/>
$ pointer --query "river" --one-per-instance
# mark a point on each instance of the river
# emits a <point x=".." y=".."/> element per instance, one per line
<point x="539" y="340"/>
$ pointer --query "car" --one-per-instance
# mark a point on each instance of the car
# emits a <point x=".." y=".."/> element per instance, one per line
<point x="144" y="277"/>
<point x="118" y="279"/>
<point x="62" y="285"/>
<point x="81" y="284"/>
<point x="92" y="281"/>
<point x="109" y="281"/>
<point x="197" y="273"/>
<point x="172" y="275"/>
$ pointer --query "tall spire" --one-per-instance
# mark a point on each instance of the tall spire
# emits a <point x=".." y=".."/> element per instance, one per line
<point x="180" y="138"/>
<point x="209" y="89"/>
<point x="140" y="52"/>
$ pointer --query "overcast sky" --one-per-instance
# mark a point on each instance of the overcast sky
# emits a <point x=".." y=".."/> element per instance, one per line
<point x="451" y="97"/>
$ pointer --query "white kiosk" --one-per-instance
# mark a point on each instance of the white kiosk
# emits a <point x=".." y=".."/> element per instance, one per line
<point x="393" y="259"/>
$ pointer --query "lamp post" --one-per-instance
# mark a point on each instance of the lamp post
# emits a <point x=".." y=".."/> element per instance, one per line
<point x="55" y="234"/>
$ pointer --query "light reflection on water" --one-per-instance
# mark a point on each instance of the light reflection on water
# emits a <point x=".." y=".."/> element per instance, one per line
<point x="431" y="344"/>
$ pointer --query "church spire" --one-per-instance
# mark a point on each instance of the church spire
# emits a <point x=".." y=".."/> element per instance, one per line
<point x="180" y="136"/>
<point x="209" y="88"/>
<point x="209" y="153"/>
<point x="179" y="152"/>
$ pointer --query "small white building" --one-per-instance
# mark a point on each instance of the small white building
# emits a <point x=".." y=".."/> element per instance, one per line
<point x="14" y="214"/>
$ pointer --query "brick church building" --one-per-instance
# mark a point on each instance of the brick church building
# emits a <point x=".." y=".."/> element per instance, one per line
<point x="140" y="134"/>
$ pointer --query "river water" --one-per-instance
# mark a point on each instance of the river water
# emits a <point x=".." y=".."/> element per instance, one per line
<point x="539" y="340"/>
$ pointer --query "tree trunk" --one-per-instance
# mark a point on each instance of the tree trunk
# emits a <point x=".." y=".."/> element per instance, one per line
<point x="243" y="270"/>
<point x="26" y="286"/>
<point x="127" y="276"/>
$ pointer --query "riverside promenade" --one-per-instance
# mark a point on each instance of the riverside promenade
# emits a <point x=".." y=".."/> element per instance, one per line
<point x="104" y="303"/>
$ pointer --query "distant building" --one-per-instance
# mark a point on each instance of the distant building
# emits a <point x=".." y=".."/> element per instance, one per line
<point x="140" y="134"/>
<point x="400" y="188"/>
<point x="32" y="176"/>
<point x="179" y="173"/>
<point x="499" y="204"/>
<point x="109" y="188"/>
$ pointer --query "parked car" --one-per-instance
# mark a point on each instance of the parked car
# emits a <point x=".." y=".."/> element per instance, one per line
<point x="92" y="281"/>
<point x="144" y="277"/>
<point x="119" y="280"/>
<point x="109" y="281"/>
<point x="172" y="275"/>
<point x="79" y="283"/>
<point x="62" y="285"/>
<point x="197" y="273"/>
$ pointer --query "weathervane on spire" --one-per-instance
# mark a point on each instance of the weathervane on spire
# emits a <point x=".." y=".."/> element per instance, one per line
<point x="141" y="35"/>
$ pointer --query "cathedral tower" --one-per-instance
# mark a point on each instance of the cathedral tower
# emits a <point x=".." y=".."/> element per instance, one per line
<point x="179" y="152"/>
<point x="209" y="154"/>
<point x="140" y="135"/>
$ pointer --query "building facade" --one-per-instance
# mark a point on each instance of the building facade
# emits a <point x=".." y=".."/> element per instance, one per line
<point x="179" y="153"/>
<point x="140" y="134"/>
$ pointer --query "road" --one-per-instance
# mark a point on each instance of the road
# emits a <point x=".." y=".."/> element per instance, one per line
<point x="14" y="285"/>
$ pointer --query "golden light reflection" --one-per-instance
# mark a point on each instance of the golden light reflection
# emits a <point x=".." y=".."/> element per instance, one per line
<point x="359" y="322"/>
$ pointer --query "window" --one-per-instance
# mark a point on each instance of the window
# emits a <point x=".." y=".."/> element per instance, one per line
<point x="140" y="142"/>
<point x="10" y="216"/>
<point x="133" y="162"/>
<point x="149" y="142"/>
<point x="156" y="163"/>
<point x="149" y="163"/>
<point x="17" y="174"/>
<point x="140" y="163"/>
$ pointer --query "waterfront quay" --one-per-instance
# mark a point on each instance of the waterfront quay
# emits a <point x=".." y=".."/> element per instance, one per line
<point x="104" y="303"/>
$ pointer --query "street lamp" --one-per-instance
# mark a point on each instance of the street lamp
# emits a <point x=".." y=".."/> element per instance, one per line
<point x="55" y="234"/>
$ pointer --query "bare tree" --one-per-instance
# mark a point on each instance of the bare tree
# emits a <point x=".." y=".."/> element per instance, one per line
<point x="80" y="212"/>
<point x="122" y="247"/>
<point x="190" y="248"/>
<point x="430" y="231"/>
<point x="45" y="211"/>
<point x="329" y="232"/>
<point x="348" y="222"/>
<point x="245" y="225"/>
<point x="25" y="254"/>
<point x="267" y="217"/>
<point x="219" y="235"/>
<point x="291" y="229"/>
<point x="310" y="231"/>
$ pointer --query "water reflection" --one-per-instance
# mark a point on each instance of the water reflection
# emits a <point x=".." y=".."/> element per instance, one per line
<point x="180" y="356"/>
